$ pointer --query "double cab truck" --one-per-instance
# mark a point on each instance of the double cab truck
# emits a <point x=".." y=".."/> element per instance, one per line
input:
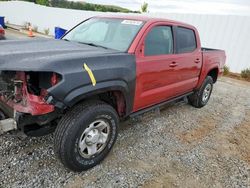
<point x="102" y="71"/>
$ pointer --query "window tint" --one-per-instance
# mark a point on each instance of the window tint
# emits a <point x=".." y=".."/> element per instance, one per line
<point x="186" y="41"/>
<point x="159" y="41"/>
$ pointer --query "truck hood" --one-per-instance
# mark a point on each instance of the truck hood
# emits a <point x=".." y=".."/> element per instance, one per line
<point x="44" y="54"/>
<point x="111" y="69"/>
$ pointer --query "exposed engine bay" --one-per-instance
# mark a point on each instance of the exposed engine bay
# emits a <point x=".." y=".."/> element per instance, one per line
<point x="27" y="91"/>
<point x="23" y="97"/>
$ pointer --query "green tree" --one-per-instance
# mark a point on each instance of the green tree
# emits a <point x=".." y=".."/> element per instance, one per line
<point x="144" y="7"/>
<point x="42" y="2"/>
<point x="80" y="5"/>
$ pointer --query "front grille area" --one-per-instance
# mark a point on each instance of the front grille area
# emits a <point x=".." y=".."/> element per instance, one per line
<point x="4" y="86"/>
<point x="7" y="110"/>
<point x="7" y="85"/>
<point x="7" y="90"/>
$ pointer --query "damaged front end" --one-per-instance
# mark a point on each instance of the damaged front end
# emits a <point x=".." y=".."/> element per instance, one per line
<point x="23" y="97"/>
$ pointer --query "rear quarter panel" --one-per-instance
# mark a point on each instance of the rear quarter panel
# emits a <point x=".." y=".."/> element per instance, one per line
<point x="212" y="59"/>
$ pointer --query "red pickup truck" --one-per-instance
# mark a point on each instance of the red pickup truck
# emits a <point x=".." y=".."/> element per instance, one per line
<point x="102" y="71"/>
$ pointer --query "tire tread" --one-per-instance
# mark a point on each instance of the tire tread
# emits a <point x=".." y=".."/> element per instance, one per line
<point x="66" y="123"/>
<point x="195" y="99"/>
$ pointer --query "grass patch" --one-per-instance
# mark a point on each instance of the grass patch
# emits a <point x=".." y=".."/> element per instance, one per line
<point x="226" y="70"/>
<point x="246" y="74"/>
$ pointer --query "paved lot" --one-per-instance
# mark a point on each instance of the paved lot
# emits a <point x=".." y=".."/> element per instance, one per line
<point x="15" y="35"/>
<point x="12" y="34"/>
<point x="180" y="147"/>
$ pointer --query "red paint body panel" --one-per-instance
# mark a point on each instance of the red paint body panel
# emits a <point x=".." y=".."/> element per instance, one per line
<point x="34" y="105"/>
<point x="212" y="60"/>
<point x="157" y="81"/>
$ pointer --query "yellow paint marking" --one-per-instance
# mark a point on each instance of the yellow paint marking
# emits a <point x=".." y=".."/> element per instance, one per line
<point x="91" y="75"/>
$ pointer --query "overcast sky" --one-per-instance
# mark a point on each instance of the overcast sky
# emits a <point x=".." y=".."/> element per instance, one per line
<point x="194" y="6"/>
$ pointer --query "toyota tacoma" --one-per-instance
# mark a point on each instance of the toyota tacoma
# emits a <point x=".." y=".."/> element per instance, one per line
<point x="102" y="71"/>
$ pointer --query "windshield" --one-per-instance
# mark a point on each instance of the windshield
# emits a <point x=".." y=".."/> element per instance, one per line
<point x="115" y="34"/>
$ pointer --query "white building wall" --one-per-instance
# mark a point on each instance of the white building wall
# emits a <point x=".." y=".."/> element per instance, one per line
<point x="230" y="33"/>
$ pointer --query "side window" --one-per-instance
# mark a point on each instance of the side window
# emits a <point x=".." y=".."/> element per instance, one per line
<point x="159" y="41"/>
<point x="186" y="41"/>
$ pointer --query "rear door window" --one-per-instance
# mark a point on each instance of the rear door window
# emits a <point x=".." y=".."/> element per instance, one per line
<point x="185" y="40"/>
<point x="159" y="41"/>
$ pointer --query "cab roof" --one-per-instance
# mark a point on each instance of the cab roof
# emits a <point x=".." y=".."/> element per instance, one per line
<point x="144" y="19"/>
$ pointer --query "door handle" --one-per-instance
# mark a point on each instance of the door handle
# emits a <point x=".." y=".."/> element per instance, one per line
<point x="197" y="61"/>
<point x="173" y="64"/>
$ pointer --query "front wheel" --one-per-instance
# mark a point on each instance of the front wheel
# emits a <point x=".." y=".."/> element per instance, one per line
<point x="202" y="95"/>
<point x="86" y="134"/>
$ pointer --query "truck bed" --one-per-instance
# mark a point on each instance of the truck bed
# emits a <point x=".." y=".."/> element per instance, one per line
<point x="213" y="58"/>
<point x="209" y="49"/>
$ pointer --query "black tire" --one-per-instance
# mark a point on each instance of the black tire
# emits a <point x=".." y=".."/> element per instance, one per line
<point x="196" y="99"/>
<point x="73" y="125"/>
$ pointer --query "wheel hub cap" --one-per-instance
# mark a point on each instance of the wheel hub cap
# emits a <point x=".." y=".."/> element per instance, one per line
<point x="206" y="92"/>
<point x="94" y="138"/>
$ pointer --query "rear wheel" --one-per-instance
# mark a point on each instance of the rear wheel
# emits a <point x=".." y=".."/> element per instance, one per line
<point x="201" y="97"/>
<point x="86" y="134"/>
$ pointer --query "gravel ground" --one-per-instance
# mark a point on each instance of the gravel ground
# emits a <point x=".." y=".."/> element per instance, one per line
<point x="180" y="146"/>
